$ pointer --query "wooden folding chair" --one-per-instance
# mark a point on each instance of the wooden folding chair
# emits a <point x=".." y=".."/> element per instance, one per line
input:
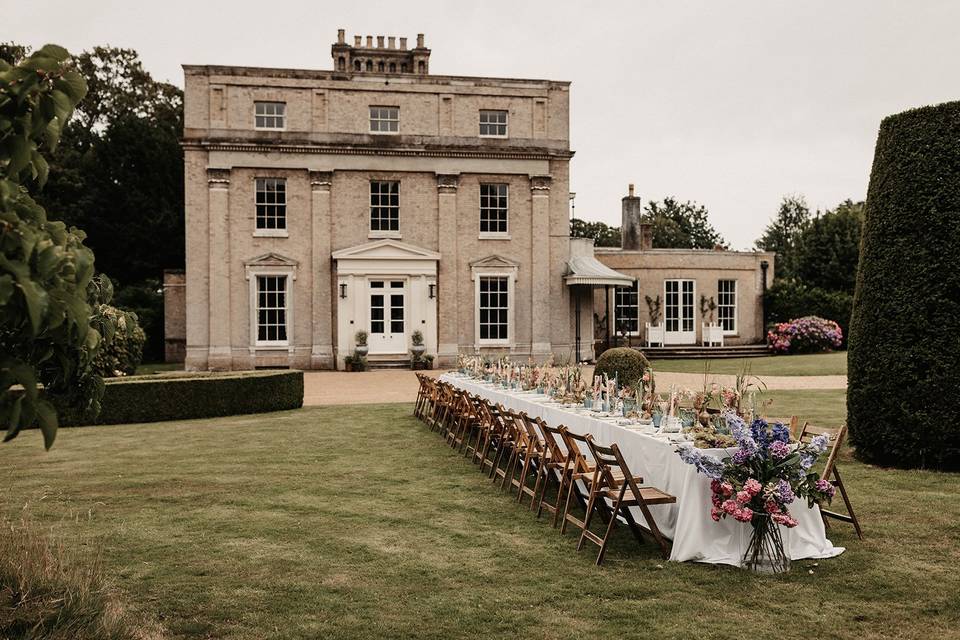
<point x="494" y="434"/>
<point x="623" y="493"/>
<point x="831" y="473"/>
<point x="528" y="455"/>
<point x="462" y="414"/>
<point x="422" y="392"/>
<point x="578" y="469"/>
<point x="511" y="438"/>
<point x="554" y="466"/>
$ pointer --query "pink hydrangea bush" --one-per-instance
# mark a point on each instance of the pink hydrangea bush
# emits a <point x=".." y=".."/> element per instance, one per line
<point x="809" y="334"/>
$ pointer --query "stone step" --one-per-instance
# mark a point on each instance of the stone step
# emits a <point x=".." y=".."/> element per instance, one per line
<point x="682" y="352"/>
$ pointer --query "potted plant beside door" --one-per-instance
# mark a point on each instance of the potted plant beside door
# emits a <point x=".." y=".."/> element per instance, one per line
<point x="417" y="360"/>
<point x="361" y="339"/>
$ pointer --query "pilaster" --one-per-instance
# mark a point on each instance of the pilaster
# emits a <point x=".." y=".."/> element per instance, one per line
<point x="321" y="353"/>
<point x="448" y="321"/>
<point x="218" y="207"/>
<point x="540" y="266"/>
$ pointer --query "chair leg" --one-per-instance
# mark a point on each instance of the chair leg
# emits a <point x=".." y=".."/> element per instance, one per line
<point x="609" y="532"/>
<point x="587" y="518"/>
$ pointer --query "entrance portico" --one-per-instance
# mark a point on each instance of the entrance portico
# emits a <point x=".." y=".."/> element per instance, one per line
<point x="388" y="289"/>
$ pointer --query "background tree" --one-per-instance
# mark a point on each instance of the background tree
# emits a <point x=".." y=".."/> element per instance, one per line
<point x="48" y="330"/>
<point x="681" y="225"/>
<point x="602" y="234"/>
<point x="118" y="174"/>
<point x="782" y="235"/>
<point x="828" y="249"/>
<point x="903" y="400"/>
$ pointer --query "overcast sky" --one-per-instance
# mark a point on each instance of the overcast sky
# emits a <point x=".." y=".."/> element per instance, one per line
<point x="733" y="104"/>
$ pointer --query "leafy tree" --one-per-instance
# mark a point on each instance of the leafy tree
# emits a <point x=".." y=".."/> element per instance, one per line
<point x="782" y="235"/>
<point x="603" y="235"/>
<point x="119" y="170"/>
<point x="48" y="330"/>
<point x="681" y="225"/>
<point x="829" y="248"/>
<point x="118" y="174"/>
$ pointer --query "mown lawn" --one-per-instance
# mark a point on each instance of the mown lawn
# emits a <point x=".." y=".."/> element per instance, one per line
<point x="158" y="367"/>
<point x="819" y="364"/>
<point x="357" y="522"/>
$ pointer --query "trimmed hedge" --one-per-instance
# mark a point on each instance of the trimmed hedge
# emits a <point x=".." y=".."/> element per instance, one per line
<point x="903" y="398"/>
<point x="182" y="396"/>
<point x="623" y="363"/>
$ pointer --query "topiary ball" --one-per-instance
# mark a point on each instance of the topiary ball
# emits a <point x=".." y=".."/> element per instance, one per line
<point x="623" y="363"/>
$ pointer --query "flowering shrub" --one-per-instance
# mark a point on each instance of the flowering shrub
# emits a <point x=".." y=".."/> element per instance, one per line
<point x="809" y="334"/>
<point x="764" y="475"/>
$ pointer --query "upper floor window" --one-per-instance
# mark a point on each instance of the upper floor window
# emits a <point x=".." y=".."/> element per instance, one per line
<point x="269" y="115"/>
<point x="493" y="123"/>
<point x="271" y="201"/>
<point x="626" y="309"/>
<point x="384" y="119"/>
<point x="385" y="206"/>
<point x="357" y="65"/>
<point x="727" y="305"/>
<point x="494" y="212"/>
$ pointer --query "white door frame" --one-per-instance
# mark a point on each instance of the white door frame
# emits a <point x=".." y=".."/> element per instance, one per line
<point x="387" y="342"/>
<point x="680" y="335"/>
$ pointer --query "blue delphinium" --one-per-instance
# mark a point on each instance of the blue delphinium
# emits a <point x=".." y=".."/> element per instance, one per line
<point x="706" y="464"/>
<point x="781" y="433"/>
<point x="760" y="433"/>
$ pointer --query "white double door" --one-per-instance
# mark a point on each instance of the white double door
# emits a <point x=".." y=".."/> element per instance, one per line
<point x="388" y="316"/>
<point x="678" y="312"/>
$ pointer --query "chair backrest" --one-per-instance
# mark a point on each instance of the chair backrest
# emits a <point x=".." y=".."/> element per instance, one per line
<point x="534" y="441"/>
<point x="835" y="437"/>
<point x="551" y="440"/>
<point x="608" y="458"/>
<point x="576" y="444"/>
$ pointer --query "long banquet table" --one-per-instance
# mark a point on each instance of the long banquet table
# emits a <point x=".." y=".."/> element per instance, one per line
<point x="695" y="535"/>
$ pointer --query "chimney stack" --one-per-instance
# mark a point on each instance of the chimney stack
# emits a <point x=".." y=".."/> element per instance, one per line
<point x="369" y="42"/>
<point x="357" y="40"/>
<point x="630" y="227"/>
<point x="341" y="36"/>
<point x="403" y="44"/>
<point x="379" y="42"/>
<point x="420" y="41"/>
<point x="391" y="42"/>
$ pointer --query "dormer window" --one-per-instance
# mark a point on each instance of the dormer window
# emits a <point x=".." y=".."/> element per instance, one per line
<point x="269" y="115"/>
<point x="493" y="124"/>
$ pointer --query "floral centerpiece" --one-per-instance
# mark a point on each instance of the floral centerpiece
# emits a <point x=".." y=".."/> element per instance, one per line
<point x="759" y="481"/>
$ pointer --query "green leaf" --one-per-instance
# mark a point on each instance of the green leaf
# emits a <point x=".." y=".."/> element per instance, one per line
<point x="6" y="288"/>
<point x="19" y="149"/>
<point x="41" y="167"/>
<point x="54" y="51"/>
<point x="72" y="84"/>
<point x="47" y="418"/>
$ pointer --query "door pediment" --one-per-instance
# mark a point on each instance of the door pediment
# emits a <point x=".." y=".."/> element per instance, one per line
<point x="494" y="262"/>
<point x="385" y="249"/>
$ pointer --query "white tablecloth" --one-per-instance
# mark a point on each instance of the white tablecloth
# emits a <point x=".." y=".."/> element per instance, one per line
<point x="687" y="522"/>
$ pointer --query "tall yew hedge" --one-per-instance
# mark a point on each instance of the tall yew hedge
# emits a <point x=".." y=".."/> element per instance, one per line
<point x="903" y="398"/>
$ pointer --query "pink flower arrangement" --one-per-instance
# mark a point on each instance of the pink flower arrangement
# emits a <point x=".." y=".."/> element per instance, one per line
<point x="809" y="334"/>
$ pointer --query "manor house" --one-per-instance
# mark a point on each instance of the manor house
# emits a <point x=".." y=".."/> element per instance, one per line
<point x="379" y="197"/>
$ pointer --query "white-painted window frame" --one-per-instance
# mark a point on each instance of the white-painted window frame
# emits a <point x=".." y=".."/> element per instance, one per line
<point x="505" y="124"/>
<point x="735" y="305"/>
<point x="382" y="115"/>
<point x="254" y="273"/>
<point x="274" y="232"/>
<point x="618" y="292"/>
<point x="510" y="273"/>
<point x="495" y="235"/>
<point x="282" y="114"/>
<point x="383" y="233"/>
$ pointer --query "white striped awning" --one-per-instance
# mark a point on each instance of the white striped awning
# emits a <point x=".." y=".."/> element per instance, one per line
<point x="587" y="270"/>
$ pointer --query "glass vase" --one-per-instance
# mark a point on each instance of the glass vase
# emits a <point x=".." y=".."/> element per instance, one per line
<point x="765" y="552"/>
